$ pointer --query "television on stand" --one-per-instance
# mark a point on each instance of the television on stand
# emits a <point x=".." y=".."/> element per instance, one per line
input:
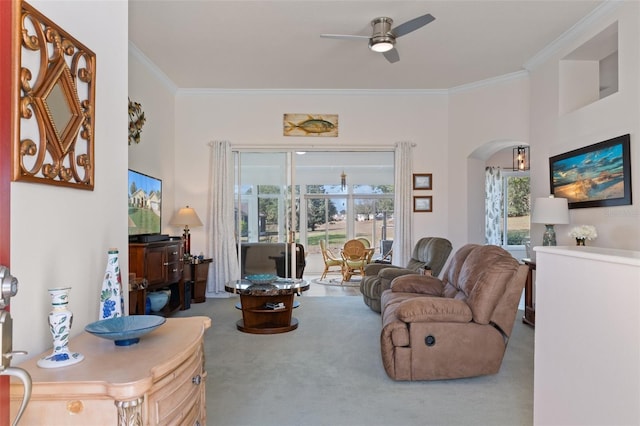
<point x="145" y="208"/>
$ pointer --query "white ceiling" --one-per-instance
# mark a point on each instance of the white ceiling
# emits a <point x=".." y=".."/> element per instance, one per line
<point x="211" y="44"/>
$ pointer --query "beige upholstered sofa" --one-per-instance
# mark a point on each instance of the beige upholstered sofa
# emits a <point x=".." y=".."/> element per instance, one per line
<point x="429" y="253"/>
<point x="455" y="327"/>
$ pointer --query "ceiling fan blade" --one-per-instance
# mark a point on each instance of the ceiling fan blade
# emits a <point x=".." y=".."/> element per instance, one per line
<point x="392" y="55"/>
<point x="343" y="36"/>
<point x="412" y="25"/>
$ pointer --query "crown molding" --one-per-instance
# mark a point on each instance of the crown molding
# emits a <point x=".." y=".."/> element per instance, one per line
<point x="572" y="33"/>
<point x="153" y="68"/>
<point x="517" y="75"/>
<point x="312" y="92"/>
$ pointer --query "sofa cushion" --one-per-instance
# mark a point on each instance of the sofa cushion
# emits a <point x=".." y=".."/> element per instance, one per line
<point x="482" y="280"/>
<point x="436" y="309"/>
<point x="420" y="284"/>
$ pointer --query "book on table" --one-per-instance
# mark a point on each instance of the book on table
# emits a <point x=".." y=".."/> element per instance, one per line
<point x="274" y="306"/>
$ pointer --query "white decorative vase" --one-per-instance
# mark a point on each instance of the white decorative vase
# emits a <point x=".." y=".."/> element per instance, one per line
<point x="111" y="302"/>
<point x="60" y="319"/>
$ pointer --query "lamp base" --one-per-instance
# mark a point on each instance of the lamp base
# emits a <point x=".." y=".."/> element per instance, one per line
<point x="187" y="242"/>
<point x="549" y="237"/>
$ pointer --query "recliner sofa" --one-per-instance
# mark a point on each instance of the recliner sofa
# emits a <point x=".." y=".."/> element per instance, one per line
<point x="429" y="253"/>
<point x="455" y="327"/>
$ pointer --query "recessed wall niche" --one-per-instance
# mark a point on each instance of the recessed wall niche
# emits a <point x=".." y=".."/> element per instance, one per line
<point x="590" y="72"/>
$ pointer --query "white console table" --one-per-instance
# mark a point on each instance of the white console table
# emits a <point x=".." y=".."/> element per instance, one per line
<point x="587" y="343"/>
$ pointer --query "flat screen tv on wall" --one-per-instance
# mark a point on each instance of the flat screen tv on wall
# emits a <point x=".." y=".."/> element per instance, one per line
<point x="145" y="204"/>
<point x="597" y="175"/>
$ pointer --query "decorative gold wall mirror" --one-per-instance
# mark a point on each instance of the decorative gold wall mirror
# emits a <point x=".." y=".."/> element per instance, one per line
<point x="54" y="142"/>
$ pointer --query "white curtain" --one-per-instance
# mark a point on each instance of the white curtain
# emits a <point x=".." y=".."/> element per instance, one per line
<point x="402" y="204"/>
<point x="220" y="220"/>
<point x="493" y="206"/>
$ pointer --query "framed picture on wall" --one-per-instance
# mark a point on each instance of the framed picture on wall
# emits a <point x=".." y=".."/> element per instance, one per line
<point x="422" y="203"/>
<point x="597" y="175"/>
<point x="422" y="181"/>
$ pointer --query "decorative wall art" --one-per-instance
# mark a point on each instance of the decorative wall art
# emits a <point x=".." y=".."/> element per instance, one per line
<point x="324" y="125"/>
<point x="53" y="140"/>
<point x="136" y="121"/>
<point x="597" y="175"/>
<point x="422" y="203"/>
<point x="422" y="181"/>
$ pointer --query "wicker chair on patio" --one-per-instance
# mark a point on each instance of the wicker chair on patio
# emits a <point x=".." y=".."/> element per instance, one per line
<point x="355" y="257"/>
<point x="330" y="260"/>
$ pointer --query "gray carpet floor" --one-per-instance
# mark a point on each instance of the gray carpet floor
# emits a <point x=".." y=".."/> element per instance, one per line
<point x="329" y="372"/>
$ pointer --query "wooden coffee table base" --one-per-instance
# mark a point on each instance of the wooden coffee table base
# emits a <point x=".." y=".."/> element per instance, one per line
<point x="267" y="328"/>
<point x="257" y="319"/>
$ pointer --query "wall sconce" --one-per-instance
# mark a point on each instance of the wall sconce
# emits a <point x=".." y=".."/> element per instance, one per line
<point x="343" y="181"/>
<point x="550" y="211"/>
<point x="186" y="217"/>
<point x="521" y="158"/>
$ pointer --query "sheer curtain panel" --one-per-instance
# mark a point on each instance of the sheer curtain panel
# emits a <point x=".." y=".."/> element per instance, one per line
<point x="220" y="220"/>
<point x="403" y="204"/>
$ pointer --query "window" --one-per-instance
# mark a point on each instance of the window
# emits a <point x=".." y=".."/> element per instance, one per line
<point x="516" y="208"/>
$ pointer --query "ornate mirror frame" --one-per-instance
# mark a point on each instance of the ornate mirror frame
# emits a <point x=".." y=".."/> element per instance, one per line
<point x="54" y="142"/>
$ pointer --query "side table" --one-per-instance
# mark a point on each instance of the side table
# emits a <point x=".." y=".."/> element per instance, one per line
<point x="197" y="273"/>
<point x="529" y="307"/>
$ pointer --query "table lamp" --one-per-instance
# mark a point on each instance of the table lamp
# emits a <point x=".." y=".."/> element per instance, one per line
<point x="550" y="211"/>
<point x="186" y="217"/>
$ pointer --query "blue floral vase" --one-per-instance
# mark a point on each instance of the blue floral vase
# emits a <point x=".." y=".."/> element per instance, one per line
<point x="111" y="298"/>
<point x="60" y="319"/>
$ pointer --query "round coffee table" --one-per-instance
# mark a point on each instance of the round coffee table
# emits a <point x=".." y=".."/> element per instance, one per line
<point x="267" y="308"/>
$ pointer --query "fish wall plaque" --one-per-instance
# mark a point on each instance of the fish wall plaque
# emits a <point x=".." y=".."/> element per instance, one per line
<point x="325" y="125"/>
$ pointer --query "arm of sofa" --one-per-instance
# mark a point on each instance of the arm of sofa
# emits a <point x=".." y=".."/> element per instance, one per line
<point x="391" y="272"/>
<point x="373" y="268"/>
<point x="433" y="309"/>
<point x="421" y="284"/>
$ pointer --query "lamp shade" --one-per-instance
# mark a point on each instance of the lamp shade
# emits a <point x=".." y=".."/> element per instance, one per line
<point x="551" y="211"/>
<point x="186" y="216"/>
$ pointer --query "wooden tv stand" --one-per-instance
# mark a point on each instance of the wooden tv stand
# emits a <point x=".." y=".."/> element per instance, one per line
<point x="161" y="264"/>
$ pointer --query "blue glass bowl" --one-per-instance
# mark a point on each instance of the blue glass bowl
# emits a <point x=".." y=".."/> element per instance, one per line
<point x="125" y="331"/>
<point x="262" y="278"/>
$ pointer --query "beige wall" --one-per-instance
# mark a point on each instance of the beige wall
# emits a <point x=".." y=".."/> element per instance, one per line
<point x="455" y="133"/>
<point x="483" y="120"/>
<point x="154" y="154"/>
<point x="254" y="119"/>
<point x="60" y="236"/>
<point x="554" y="133"/>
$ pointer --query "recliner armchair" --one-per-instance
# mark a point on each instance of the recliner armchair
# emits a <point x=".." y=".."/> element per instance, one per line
<point x="429" y="253"/>
<point x="456" y="327"/>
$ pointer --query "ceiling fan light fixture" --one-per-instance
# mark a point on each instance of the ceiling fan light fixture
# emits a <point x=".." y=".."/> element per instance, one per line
<point x="381" y="44"/>
<point x="382" y="40"/>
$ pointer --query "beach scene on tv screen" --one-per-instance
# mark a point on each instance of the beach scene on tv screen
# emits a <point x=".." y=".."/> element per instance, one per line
<point x="596" y="175"/>
<point x="145" y="200"/>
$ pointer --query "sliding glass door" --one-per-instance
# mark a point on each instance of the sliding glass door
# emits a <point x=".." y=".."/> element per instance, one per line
<point x="313" y="196"/>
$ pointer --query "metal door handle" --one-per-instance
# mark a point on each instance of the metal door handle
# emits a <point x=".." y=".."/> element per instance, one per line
<point x="26" y="381"/>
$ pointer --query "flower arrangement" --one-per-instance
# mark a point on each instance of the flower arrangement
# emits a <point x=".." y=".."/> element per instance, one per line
<point x="584" y="232"/>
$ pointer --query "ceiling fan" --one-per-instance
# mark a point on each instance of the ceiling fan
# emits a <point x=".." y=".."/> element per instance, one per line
<point x="384" y="37"/>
